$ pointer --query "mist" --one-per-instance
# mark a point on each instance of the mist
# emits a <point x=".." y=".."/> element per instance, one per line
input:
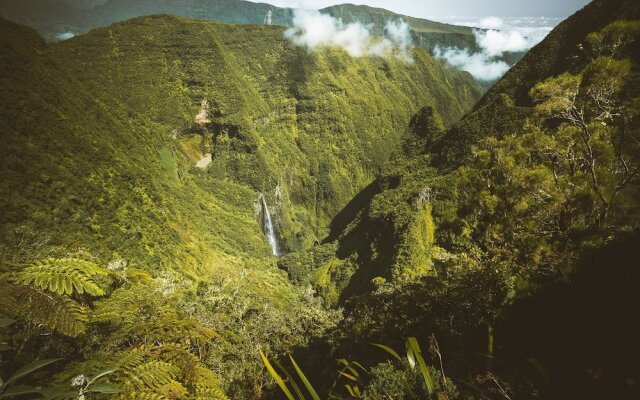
<point x="495" y="38"/>
<point x="313" y="30"/>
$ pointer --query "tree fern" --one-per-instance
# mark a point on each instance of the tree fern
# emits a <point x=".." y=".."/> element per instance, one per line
<point x="64" y="276"/>
<point x="152" y="374"/>
<point x="58" y="313"/>
<point x="173" y="390"/>
<point x="181" y="357"/>
<point x="142" y="396"/>
<point x="208" y="386"/>
<point x="215" y="393"/>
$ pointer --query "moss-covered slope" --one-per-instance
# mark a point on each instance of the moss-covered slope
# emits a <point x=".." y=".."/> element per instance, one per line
<point x="308" y="130"/>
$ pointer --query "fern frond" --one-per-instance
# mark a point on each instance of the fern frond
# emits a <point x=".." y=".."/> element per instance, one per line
<point x="181" y="357"/>
<point x="136" y="395"/>
<point x="173" y="390"/>
<point x="131" y="358"/>
<point x="138" y="276"/>
<point x="58" y="313"/>
<point x="153" y="374"/>
<point x="172" y="328"/>
<point x="63" y="276"/>
<point x="208" y="385"/>
<point x="206" y="379"/>
<point x="211" y="394"/>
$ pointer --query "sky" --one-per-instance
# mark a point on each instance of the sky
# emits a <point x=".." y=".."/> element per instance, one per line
<point x="507" y="26"/>
<point x="438" y="9"/>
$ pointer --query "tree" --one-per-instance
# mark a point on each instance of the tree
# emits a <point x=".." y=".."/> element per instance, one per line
<point x="592" y="118"/>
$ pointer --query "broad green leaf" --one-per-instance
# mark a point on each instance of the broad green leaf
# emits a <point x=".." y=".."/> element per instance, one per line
<point x="19" y="390"/>
<point x="103" y="388"/>
<point x="5" y="347"/>
<point x="357" y="364"/>
<point x="101" y="374"/>
<point x="388" y="350"/>
<point x="29" y="368"/>
<point x="304" y="379"/>
<point x="276" y="377"/>
<point x="290" y="379"/>
<point x="350" y="390"/>
<point x="415" y="347"/>
<point x="348" y="366"/>
<point x="353" y="378"/>
<point x="410" y="356"/>
<point x="5" y="322"/>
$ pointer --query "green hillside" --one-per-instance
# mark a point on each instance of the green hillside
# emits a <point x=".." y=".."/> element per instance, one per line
<point x="308" y="130"/>
<point x="427" y="253"/>
<point x="476" y="233"/>
<point x="88" y="177"/>
<point x="101" y="137"/>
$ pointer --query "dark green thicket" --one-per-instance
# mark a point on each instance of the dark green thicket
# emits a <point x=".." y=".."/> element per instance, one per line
<point x="514" y="197"/>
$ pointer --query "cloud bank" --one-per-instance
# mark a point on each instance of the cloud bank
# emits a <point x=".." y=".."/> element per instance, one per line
<point x="496" y="38"/>
<point x="64" y="35"/>
<point x="479" y="65"/>
<point x="313" y="30"/>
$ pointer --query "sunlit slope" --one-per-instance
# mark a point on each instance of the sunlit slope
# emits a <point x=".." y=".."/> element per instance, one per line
<point x="307" y="129"/>
<point x="84" y="172"/>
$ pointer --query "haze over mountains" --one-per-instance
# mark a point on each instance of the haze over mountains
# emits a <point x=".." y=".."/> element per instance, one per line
<point x="62" y="19"/>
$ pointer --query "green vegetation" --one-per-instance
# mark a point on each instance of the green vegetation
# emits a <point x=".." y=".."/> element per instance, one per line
<point x="128" y="269"/>
<point x="308" y="130"/>
<point x="468" y="221"/>
<point x="100" y="139"/>
<point x="402" y="378"/>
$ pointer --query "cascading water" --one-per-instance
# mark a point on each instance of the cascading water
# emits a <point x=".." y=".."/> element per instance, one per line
<point x="268" y="228"/>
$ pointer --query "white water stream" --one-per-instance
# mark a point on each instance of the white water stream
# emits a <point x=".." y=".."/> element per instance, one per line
<point x="268" y="228"/>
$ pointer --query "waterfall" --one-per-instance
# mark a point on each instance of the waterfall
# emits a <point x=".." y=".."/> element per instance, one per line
<point x="268" y="228"/>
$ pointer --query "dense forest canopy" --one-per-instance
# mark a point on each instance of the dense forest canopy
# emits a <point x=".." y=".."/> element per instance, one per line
<point x="199" y="210"/>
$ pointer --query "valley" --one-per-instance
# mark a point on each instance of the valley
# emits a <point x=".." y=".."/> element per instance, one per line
<point x="199" y="205"/>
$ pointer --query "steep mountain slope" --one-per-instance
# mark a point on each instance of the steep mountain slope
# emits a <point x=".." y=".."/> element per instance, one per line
<point x="85" y="177"/>
<point x="421" y="207"/>
<point x="532" y="198"/>
<point x="308" y="130"/>
<point x="505" y="104"/>
<point x="101" y="135"/>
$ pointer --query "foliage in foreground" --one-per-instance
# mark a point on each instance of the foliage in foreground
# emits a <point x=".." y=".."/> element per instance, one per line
<point x="118" y="320"/>
<point x="399" y="378"/>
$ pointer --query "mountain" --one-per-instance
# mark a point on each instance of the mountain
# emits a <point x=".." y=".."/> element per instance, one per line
<point x="196" y="210"/>
<point x="561" y="51"/>
<point x="134" y="161"/>
<point x="496" y="233"/>
<point x="58" y="19"/>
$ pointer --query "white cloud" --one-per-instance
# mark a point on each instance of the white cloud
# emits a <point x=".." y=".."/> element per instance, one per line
<point x="495" y="43"/>
<point x="491" y="23"/>
<point x="64" y="35"/>
<point x="479" y="65"/>
<point x="312" y="30"/>
<point x="496" y="37"/>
